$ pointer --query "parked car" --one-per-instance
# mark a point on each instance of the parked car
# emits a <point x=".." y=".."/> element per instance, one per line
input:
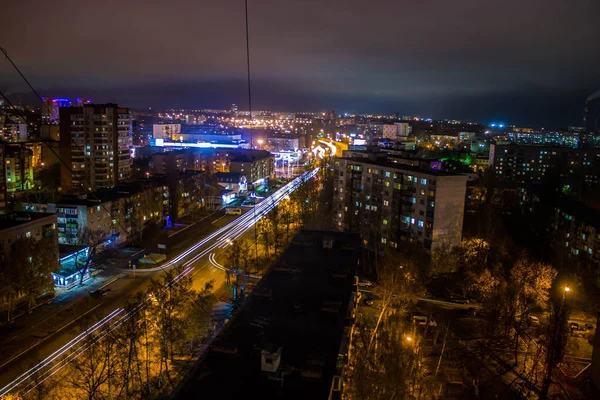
<point x="365" y="283"/>
<point x="369" y="301"/>
<point x="98" y="293"/>
<point x="589" y="327"/>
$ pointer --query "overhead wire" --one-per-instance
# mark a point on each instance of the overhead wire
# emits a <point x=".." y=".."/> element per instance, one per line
<point x="69" y="167"/>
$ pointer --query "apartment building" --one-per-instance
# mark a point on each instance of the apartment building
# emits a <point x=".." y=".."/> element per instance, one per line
<point x="20" y="225"/>
<point x="112" y="216"/>
<point x="529" y="164"/>
<point x="576" y="238"/>
<point x="257" y="165"/>
<point x="96" y="141"/>
<point x="392" y="204"/>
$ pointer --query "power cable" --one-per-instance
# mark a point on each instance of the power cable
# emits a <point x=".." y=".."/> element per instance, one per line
<point x="69" y="167"/>
<point x="251" y="130"/>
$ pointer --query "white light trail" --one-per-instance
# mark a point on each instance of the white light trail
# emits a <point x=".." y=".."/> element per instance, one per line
<point x="60" y="358"/>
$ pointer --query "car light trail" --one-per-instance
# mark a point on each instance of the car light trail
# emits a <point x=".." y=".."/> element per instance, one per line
<point x="220" y="239"/>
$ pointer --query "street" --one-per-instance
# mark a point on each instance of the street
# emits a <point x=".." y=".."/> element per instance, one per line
<point x="92" y="317"/>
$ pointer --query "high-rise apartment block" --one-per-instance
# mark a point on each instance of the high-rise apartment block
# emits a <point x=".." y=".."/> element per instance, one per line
<point x="391" y="204"/>
<point x="95" y="141"/>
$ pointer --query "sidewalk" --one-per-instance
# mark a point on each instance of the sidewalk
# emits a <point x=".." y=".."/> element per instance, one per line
<point x="29" y="330"/>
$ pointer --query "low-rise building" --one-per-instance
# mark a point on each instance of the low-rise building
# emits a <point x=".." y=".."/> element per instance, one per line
<point x="232" y="181"/>
<point x="257" y="165"/>
<point x="166" y="131"/>
<point x="112" y="216"/>
<point x="30" y="225"/>
<point x="391" y="204"/>
<point x="286" y="143"/>
<point x="290" y="338"/>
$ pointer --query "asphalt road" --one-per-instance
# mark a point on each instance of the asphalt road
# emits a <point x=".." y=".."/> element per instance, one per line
<point x="54" y="350"/>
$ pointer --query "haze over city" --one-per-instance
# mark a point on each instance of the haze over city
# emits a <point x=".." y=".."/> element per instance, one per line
<point x="528" y="63"/>
<point x="324" y="200"/>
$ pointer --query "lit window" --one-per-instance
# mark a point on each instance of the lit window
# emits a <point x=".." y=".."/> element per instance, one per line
<point x="423" y="181"/>
<point x="385" y="221"/>
<point x="383" y="240"/>
<point x="386" y="203"/>
<point x="420" y="224"/>
<point x="28" y="234"/>
<point x="412" y="221"/>
<point x="422" y="192"/>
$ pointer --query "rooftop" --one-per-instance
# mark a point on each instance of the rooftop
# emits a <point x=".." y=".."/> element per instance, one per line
<point x="390" y="164"/>
<point x="22" y="217"/>
<point x="301" y="308"/>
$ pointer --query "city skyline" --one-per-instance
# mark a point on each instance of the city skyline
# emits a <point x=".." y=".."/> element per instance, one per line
<point x="523" y="64"/>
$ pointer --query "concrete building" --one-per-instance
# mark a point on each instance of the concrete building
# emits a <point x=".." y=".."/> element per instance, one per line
<point x="289" y="143"/>
<point x="14" y="132"/>
<point x="21" y="225"/>
<point x="18" y="168"/>
<point x="232" y="181"/>
<point x="397" y="131"/>
<point x="113" y="216"/>
<point x="96" y="140"/>
<point x="166" y="131"/>
<point x="576" y="238"/>
<point x="529" y="164"/>
<point x="257" y="165"/>
<point x="178" y="160"/>
<point x="392" y="204"/>
<point x="290" y="339"/>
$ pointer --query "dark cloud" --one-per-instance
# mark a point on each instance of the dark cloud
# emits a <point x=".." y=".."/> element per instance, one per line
<point x="428" y="56"/>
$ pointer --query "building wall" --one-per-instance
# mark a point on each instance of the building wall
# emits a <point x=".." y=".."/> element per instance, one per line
<point x="258" y="169"/>
<point x="281" y="144"/>
<point x="396" y="131"/>
<point x="529" y="164"/>
<point x="19" y="168"/>
<point x="166" y="131"/>
<point x="15" y="132"/>
<point x="449" y="210"/>
<point x="96" y="141"/>
<point x="390" y="204"/>
<point x="37" y="229"/>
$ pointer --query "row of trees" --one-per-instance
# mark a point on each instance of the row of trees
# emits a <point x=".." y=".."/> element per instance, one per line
<point x="139" y="359"/>
<point x="26" y="272"/>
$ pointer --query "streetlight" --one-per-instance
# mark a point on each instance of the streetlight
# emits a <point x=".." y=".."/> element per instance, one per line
<point x="567" y="289"/>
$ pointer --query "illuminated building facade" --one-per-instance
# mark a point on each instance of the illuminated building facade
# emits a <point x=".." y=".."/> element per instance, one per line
<point x="96" y="140"/>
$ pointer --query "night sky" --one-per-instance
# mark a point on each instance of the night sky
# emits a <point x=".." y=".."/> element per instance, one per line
<point x="527" y="62"/>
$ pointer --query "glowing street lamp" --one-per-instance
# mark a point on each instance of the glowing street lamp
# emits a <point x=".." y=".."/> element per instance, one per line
<point x="567" y="289"/>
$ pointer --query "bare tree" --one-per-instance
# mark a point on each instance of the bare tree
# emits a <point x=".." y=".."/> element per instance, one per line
<point x="93" y="239"/>
<point x="91" y="372"/>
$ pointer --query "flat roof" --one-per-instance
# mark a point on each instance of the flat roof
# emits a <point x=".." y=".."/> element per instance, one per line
<point x="301" y="306"/>
<point x="405" y="167"/>
<point x="17" y="218"/>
